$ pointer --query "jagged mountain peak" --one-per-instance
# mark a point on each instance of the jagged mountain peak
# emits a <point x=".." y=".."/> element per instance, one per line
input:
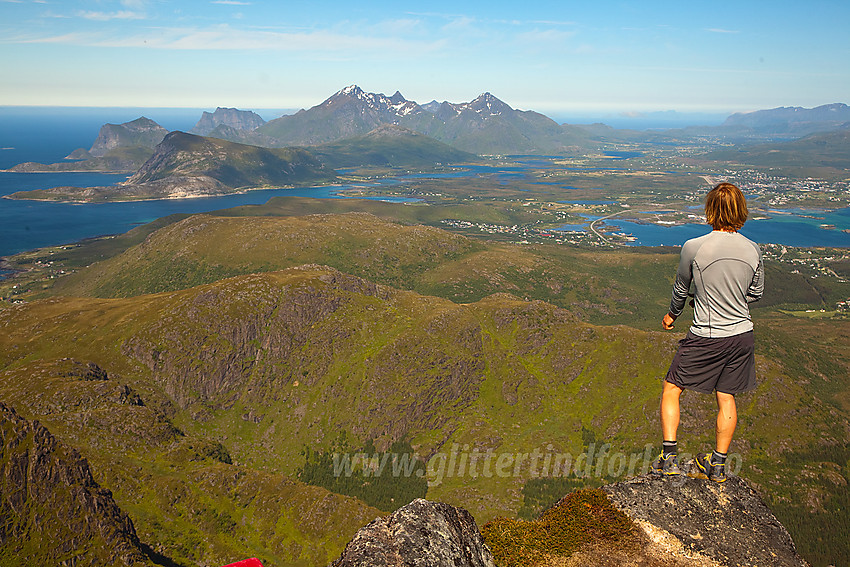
<point x="395" y="106"/>
<point x="486" y="103"/>
<point x="350" y="90"/>
<point x="432" y="106"/>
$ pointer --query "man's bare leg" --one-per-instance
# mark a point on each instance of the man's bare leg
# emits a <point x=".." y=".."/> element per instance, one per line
<point x="670" y="411"/>
<point x="727" y="420"/>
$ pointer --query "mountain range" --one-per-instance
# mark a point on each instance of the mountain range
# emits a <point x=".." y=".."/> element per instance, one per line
<point x="793" y="121"/>
<point x="485" y="125"/>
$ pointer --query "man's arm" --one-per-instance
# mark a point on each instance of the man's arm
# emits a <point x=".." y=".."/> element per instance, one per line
<point x="684" y="275"/>
<point x="756" y="289"/>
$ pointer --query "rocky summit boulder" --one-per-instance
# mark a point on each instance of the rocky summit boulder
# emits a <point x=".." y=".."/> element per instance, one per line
<point x="421" y="533"/>
<point x="697" y="522"/>
<point x="648" y="521"/>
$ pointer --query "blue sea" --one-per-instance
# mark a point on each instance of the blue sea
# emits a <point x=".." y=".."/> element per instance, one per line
<point x="47" y="135"/>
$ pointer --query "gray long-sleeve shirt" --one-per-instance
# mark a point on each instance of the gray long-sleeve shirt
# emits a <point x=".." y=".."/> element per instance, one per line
<point x="727" y="273"/>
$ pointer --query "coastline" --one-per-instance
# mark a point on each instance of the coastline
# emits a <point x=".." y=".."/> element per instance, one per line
<point x="237" y="191"/>
<point x="103" y="171"/>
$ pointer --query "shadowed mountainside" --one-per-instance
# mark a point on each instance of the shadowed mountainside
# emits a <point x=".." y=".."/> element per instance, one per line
<point x="389" y="145"/>
<point x="189" y="502"/>
<point x="53" y="512"/>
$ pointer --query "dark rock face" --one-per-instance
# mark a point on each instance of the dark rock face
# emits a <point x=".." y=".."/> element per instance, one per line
<point x="422" y="534"/>
<point x="89" y="371"/>
<point x="231" y="117"/>
<point x="52" y="512"/>
<point x="705" y="522"/>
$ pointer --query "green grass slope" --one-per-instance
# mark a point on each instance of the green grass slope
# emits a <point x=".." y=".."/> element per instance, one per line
<point x="390" y="145"/>
<point x="266" y="364"/>
<point x="828" y="153"/>
<point x="608" y="287"/>
<point x="232" y="164"/>
<point x="189" y="502"/>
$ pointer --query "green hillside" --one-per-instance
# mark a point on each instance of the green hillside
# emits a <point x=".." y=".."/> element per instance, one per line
<point x="254" y="368"/>
<point x="389" y="145"/>
<point x="276" y="335"/>
<point x="204" y="248"/>
<point x="231" y="164"/>
<point x="608" y="287"/>
<point x="189" y="500"/>
<point x="827" y="152"/>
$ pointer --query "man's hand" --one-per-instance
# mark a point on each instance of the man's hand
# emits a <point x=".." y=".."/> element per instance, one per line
<point x="667" y="322"/>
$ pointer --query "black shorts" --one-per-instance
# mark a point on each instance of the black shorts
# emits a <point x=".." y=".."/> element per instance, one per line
<point x="725" y="364"/>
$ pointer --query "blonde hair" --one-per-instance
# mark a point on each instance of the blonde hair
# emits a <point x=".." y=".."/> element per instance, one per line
<point x="726" y="207"/>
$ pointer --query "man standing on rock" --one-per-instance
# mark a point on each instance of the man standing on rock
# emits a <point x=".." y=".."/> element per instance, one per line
<point x="717" y="354"/>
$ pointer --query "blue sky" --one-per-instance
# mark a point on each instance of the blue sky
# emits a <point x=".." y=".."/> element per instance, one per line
<point x="547" y="56"/>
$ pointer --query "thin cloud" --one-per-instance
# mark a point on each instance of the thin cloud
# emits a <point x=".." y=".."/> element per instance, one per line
<point x="65" y="39"/>
<point x="231" y="2"/>
<point x="721" y="30"/>
<point x="544" y="36"/>
<point x="106" y="16"/>
<point x="222" y="38"/>
<point x="553" y="23"/>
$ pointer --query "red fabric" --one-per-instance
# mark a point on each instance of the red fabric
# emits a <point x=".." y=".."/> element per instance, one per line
<point x="246" y="563"/>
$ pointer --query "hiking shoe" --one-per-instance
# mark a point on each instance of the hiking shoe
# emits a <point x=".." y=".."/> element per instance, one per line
<point x="704" y="468"/>
<point x="668" y="465"/>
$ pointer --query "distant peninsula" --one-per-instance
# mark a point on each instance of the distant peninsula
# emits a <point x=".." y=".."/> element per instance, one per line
<point x="118" y="148"/>
<point x="185" y="165"/>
